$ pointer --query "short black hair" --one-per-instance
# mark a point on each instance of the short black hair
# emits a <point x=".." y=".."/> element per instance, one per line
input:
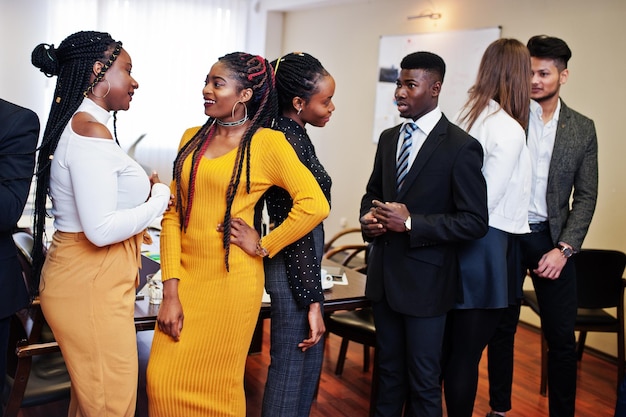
<point x="425" y="60"/>
<point x="543" y="46"/>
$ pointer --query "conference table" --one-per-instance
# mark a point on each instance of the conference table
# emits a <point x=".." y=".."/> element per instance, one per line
<point x="348" y="296"/>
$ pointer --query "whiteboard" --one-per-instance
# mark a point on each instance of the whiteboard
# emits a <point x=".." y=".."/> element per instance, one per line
<point x="460" y="50"/>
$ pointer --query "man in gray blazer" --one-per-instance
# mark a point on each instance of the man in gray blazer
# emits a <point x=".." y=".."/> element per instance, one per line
<point x="564" y="153"/>
<point x="19" y="130"/>
<point x="426" y="193"/>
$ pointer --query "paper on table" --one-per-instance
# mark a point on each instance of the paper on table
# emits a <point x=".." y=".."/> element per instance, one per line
<point x="338" y="274"/>
<point x="339" y="278"/>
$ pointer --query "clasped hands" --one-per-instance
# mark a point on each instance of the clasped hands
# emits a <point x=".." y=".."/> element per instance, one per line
<point x="384" y="217"/>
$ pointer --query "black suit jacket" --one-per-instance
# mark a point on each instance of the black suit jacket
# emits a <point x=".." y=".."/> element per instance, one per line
<point x="446" y="194"/>
<point x="19" y="130"/>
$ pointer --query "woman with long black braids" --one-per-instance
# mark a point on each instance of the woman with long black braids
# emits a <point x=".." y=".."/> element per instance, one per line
<point x="212" y="266"/>
<point x="292" y="278"/>
<point x="102" y="201"/>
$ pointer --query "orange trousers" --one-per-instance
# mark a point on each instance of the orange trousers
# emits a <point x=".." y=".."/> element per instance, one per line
<point x="87" y="295"/>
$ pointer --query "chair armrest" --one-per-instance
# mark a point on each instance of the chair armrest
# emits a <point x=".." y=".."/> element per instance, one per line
<point x="37" y="349"/>
<point x="343" y="248"/>
<point x="328" y="245"/>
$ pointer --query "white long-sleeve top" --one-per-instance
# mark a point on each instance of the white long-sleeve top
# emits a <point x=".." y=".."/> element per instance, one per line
<point x="96" y="188"/>
<point x="506" y="168"/>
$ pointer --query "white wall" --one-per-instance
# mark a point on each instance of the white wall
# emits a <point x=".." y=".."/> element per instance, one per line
<point x="345" y="38"/>
<point x="172" y="45"/>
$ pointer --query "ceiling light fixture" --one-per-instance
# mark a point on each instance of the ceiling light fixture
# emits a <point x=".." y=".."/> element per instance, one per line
<point x="433" y="16"/>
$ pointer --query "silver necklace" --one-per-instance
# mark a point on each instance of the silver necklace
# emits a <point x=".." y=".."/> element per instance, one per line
<point x="231" y="124"/>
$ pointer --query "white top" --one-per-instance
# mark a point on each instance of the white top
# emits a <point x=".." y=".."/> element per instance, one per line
<point x="96" y="188"/>
<point x="425" y="125"/>
<point x="541" y="139"/>
<point x="506" y="168"/>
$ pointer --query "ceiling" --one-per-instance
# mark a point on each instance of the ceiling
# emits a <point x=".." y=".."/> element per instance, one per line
<point x="286" y="5"/>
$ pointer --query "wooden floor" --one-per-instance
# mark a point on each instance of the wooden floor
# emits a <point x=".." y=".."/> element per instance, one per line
<point x="348" y="395"/>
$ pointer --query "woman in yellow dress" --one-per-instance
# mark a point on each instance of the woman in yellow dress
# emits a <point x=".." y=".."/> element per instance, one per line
<point x="212" y="266"/>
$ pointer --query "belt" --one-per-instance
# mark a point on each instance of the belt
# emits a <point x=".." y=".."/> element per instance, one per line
<point x="539" y="227"/>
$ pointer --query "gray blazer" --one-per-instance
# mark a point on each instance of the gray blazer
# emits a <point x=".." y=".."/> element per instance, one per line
<point x="574" y="166"/>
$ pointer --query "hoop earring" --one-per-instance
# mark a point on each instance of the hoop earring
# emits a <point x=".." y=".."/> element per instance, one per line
<point x="236" y="122"/>
<point x="245" y="115"/>
<point x="105" y="94"/>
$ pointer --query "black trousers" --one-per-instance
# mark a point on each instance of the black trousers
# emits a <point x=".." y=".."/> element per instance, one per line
<point x="467" y="334"/>
<point x="558" y="303"/>
<point x="409" y="363"/>
<point x="5" y="327"/>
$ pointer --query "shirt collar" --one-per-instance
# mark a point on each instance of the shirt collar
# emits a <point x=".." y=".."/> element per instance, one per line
<point x="537" y="110"/>
<point x="91" y="107"/>
<point x="427" y="122"/>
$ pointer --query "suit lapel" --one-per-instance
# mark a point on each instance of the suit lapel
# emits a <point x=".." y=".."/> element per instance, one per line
<point x="561" y="141"/>
<point x="433" y="140"/>
<point x="389" y="160"/>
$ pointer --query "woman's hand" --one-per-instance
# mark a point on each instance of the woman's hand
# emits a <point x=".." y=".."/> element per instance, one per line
<point x="316" y="325"/>
<point x="242" y="235"/>
<point x="170" y="317"/>
<point x="154" y="179"/>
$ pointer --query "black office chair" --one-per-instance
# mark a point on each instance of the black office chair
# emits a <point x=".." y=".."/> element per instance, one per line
<point x="332" y="242"/>
<point x="36" y="372"/>
<point x="600" y="286"/>
<point x="354" y="325"/>
<point x="352" y="255"/>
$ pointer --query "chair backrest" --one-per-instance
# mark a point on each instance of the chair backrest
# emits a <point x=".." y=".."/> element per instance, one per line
<point x="345" y="254"/>
<point x="599" y="275"/>
<point x="36" y="372"/>
<point x="330" y="243"/>
<point x="24" y="243"/>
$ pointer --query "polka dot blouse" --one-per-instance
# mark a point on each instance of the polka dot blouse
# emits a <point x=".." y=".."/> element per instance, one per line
<point x="301" y="262"/>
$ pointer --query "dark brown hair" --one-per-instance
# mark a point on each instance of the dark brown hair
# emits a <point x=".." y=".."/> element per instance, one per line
<point x="504" y="75"/>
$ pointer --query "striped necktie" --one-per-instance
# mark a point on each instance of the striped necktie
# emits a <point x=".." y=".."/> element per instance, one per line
<point x="402" y="165"/>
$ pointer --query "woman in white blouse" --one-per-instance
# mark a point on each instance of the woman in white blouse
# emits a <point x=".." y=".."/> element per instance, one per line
<point x="102" y="201"/>
<point x="496" y="114"/>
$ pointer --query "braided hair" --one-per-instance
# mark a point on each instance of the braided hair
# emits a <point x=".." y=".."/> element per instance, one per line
<point x="251" y="71"/>
<point x="298" y="77"/>
<point x="72" y="62"/>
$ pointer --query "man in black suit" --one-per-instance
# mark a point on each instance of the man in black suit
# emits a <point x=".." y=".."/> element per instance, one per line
<point x="419" y="203"/>
<point x="19" y="130"/>
<point x="564" y="154"/>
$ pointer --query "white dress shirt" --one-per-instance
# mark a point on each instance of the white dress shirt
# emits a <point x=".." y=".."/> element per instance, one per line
<point x="540" y="144"/>
<point x="506" y="168"/>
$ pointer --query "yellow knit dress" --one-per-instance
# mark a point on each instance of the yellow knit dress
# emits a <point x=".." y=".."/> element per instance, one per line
<point x="202" y="374"/>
